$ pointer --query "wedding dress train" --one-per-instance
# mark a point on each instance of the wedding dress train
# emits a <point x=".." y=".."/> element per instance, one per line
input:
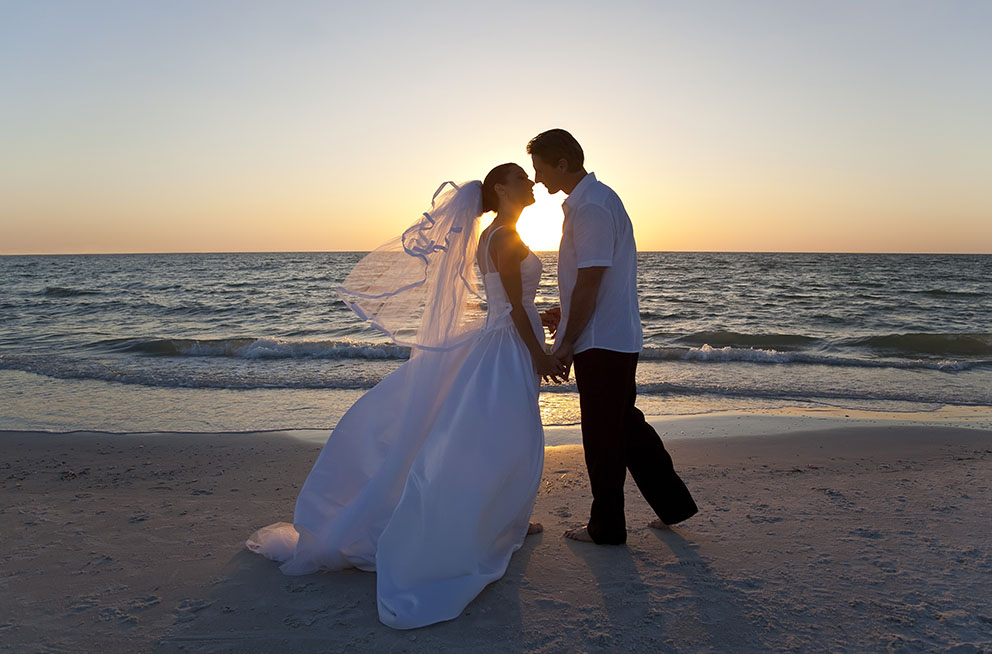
<point x="430" y="478"/>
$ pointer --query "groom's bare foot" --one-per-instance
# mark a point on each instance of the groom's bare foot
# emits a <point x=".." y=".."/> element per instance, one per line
<point x="658" y="524"/>
<point x="535" y="528"/>
<point x="580" y="534"/>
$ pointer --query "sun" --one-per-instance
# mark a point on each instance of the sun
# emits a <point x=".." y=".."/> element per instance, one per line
<point x="540" y="223"/>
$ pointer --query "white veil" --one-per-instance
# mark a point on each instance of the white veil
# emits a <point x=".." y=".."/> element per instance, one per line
<point x="416" y="288"/>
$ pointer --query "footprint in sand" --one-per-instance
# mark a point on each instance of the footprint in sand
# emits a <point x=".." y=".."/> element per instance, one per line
<point x="187" y="609"/>
<point x="110" y="613"/>
<point x="296" y="621"/>
<point x="144" y="602"/>
<point x="83" y="603"/>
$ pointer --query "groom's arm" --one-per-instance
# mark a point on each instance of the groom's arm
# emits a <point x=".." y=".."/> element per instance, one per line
<point x="593" y="238"/>
<point x="581" y="308"/>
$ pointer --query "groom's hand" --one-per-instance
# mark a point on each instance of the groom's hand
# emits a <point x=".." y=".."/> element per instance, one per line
<point x="550" y="319"/>
<point x="564" y="354"/>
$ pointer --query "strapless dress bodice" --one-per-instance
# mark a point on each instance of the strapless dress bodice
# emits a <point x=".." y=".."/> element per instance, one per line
<point x="498" y="314"/>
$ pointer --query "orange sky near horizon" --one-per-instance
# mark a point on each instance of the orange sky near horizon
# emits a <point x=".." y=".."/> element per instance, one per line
<point x="813" y="127"/>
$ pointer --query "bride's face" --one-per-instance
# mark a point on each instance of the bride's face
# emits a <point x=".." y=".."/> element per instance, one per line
<point x="518" y="189"/>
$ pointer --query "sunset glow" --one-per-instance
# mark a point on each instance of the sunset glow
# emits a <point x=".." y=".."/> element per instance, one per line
<point x="135" y="127"/>
<point x="540" y="223"/>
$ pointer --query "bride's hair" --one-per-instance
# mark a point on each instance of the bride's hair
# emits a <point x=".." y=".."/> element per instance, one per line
<point x="498" y="175"/>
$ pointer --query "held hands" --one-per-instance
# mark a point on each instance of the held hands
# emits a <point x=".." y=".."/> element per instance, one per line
<point x="550" y="319"/>
<point x="551" y="369"/>
<point x="563" y="353"/>
<point x="550" y="366"/>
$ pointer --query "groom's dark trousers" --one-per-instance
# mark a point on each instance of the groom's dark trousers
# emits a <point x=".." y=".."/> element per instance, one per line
<point x="616" y="438"/>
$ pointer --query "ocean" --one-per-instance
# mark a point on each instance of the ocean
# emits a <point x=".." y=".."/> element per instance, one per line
<point x="246" y="341"/>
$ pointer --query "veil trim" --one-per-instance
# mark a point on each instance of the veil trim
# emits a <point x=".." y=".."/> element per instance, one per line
<point x="418" y="251"/>
<point x="420" y="243"/>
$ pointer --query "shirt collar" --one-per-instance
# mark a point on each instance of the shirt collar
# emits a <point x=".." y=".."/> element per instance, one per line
<point x="574" y="198"/>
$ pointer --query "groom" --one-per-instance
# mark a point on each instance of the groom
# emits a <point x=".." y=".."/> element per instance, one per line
<point x="600" y="333"/>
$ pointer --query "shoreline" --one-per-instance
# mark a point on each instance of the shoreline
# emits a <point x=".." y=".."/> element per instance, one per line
<point x="851" y="539"/>
<point x="712" y="424"/>
<point x="35" y="402"/>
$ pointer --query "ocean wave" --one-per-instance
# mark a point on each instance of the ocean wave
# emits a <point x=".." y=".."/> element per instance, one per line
<point x="736" y="339"/>
<point x="940" y="292"/>
<point x="232" y="379"/>
<point x="318" y="379"/>
<point x="255" y="348"/>
<point x="346" y="348"/>
<point x="65" y="291"/>
<point x="709" y="354"/>
<point x="965" y="344"/>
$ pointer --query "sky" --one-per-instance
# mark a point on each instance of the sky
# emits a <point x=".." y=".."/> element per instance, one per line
<point x="239" y="125"/>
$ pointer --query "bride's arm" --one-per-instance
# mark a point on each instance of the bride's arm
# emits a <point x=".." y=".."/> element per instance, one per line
<point x="508" y="252"/>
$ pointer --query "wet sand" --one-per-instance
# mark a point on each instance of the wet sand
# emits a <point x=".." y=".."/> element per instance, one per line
<point x="865" y="538"/>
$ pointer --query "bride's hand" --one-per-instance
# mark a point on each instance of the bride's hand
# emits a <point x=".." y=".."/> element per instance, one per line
<point x="551" y="369"/>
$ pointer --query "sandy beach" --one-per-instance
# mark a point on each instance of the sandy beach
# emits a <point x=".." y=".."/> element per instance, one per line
<point x="862" y="538"/>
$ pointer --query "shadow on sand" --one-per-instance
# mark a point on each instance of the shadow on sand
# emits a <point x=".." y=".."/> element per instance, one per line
<point x="253" y="607"/>
<point x="679" y="606"/>
<point x="719" y="608"/>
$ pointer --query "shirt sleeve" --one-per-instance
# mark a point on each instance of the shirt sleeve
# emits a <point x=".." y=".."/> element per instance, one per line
<point x="593" y="235"/>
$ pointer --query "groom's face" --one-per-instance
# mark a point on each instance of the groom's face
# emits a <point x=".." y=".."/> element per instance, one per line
<point x="547" y="174"/>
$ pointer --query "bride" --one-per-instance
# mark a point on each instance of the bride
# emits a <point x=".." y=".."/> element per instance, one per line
<point x="430" y="478"/>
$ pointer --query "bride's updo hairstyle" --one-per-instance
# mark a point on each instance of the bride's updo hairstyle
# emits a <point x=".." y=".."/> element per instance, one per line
<point x="498" y="175"/>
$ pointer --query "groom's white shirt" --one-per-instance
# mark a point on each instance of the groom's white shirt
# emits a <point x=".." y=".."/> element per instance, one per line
<point x="597" y="232"/>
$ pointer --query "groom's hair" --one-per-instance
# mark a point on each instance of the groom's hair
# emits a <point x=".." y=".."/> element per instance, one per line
<point x="556" y="144"/>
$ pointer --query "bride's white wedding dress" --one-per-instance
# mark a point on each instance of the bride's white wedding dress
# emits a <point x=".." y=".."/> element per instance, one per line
<point x="430" y="478"/>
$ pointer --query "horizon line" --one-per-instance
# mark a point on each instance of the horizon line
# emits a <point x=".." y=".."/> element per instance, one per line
<point x="102" y="254"/>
